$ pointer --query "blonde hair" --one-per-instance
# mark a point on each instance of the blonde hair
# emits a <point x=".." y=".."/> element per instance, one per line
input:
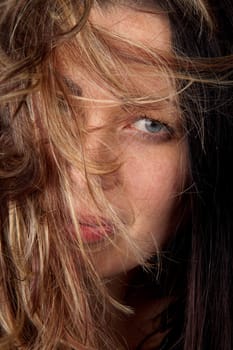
<point x="50" y="294"/>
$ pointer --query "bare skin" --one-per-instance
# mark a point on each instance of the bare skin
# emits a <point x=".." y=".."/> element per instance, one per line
<point x="152" y="172"/>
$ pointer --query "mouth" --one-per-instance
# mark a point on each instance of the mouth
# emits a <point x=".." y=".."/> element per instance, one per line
<point x="93" y="231"/>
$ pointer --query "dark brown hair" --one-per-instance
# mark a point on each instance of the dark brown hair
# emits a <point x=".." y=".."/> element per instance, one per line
<point x="50" y="296"/>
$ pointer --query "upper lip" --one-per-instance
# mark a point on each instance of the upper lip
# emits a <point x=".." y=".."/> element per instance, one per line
<point x="94" y="221"/>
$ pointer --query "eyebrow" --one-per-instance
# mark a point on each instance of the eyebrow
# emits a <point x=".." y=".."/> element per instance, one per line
<point x="125" y="104"/>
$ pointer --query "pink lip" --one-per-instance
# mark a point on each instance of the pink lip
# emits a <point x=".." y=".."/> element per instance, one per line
<point x="93" y="232"/>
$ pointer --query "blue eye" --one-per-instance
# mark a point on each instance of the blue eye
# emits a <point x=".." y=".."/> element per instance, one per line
<point x="149" y="125"/>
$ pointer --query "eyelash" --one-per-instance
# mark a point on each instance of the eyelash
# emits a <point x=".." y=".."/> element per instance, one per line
<point x="165" y="133"/>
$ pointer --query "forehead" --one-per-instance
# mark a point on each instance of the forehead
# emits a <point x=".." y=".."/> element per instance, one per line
<point x="137" y="29"/>
<point x="149" y="29"/>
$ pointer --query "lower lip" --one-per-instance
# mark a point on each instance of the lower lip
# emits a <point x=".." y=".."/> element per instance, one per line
<point x="94" y="234"/>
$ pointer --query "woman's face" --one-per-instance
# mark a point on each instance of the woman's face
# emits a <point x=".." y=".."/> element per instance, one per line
<point x="150" y="147"/>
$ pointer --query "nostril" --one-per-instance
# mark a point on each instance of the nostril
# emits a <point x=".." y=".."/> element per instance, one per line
<point x="110" y="181"/>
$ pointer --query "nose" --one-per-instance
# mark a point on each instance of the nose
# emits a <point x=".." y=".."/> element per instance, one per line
<point x="102" y="151"/>
<point x="100" y="160"/>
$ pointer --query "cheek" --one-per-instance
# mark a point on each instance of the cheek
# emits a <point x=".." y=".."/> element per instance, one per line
<point x="155" y="181"/>
<point x="155" y="203"/>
